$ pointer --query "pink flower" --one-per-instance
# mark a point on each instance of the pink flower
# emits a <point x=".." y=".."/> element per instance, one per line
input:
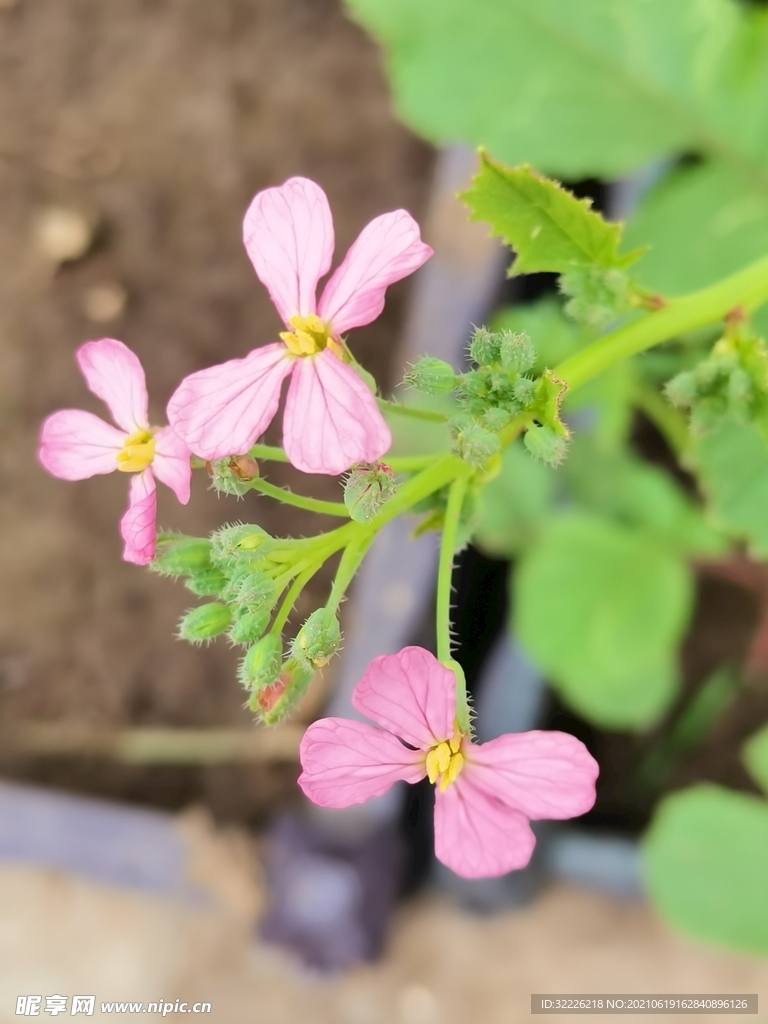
<point x="486" y="793"/>
<point x="75" y="444"/>
<point x="331" y="419"/>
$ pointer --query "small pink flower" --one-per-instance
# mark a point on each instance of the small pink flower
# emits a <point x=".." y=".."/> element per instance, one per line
<point x="486" y="793"/>
<point x="75" y="444"/>
<point x="331" y="419"/>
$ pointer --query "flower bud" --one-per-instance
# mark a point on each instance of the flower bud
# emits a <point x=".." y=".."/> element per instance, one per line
<point x="432" y="376"/>
<point x="543" y="443"/>
<point x="204" y="623"/>
<point x="366" y="489"/>
<point x="471" y="441"/>
<point x="250" y="589"/>
<point x="485" y="347"/>
<point x="496" y="419"/>
<point x="238" y="542"/>
<point x="233" y="475"/>
<point x="261" y="665"/>
<point x="318" y="639"/>
<point x="525" y="391"/>
<point x="177" y="555"/>
<point x="274" y="702"/>
<point x="683" y="389"/>
<point x="517" y="352"/>
<point x="250" y="626"/>
<point x="207" y="583"/>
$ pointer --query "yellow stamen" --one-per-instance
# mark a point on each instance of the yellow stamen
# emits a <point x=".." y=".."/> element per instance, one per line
<point x="309" y="335"/>
<point x="137" y="452"/>
<point x="445" y="760"/>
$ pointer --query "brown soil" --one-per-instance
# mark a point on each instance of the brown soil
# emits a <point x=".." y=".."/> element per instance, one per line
<point x="158" y="120"/>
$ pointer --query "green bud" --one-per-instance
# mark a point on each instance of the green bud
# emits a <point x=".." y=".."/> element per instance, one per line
<point x="207" y="583"/>
<point x="261" y="665"/>
<point x="251" y="589"/>
<point x="233" y="475"/>
<point x="176" y="555"/>
<point x="682" y="390"/>
<point x="496" y="419"/>
<point x="543" y="443"/>
<point x="475" y="383"/>
<point x="740" y="389"/>
<point x="517" y="352"/>
<point x="485" y="347"/>
<point x="596" y="295"/>
<point x="237" y="542"/>
<point x="204" y="623"/>
<point x="471" y="441"/>
<point x="275" y="701"/>
<point x="366" y="489"/>
<point x="250" y="626"/>
<point x="432" y="376"/>
<point x="318" y="639"/>
<point x="525" y="391"/>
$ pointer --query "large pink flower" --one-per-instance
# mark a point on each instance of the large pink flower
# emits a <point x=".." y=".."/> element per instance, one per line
<point x="75" y="444"/>
<point x="331" y="418"/>
<point x="486" y="793"/>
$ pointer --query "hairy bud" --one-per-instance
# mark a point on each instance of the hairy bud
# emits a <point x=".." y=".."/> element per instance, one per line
<point x="207" y="583"/>
<point x="596" y="295"/>
<point x="177" y="555"/>
<point x="251" y="589"/>
<point x="543" y="443"/>
<point x="432" y="376"/>
<point x="485" y="347"/>
<point x="261" y="665"/>
<point x="471" y="441"/>
<point x="273" y="703"/>
<point x="517" y="352"/>
<point x="205" y="623"/>
<point x="249" y="626"/>
<point x="366" y="489"/>
<point x="233" y="475"/>
<point x="318" y="639"/>
<point x="234" y="543"/>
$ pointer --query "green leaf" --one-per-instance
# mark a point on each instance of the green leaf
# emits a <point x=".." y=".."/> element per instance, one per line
<point x="513" y="506"/>
<point x="547" y="226"/>
<point x="601" y="610"/>
<point x="598" y="87"/>
<point x="707" y="857"/>
<point x="754" y="753"/>
<point x="732" y="464"/>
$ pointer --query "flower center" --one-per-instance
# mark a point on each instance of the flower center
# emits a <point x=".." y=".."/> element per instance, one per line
<point x="445" y="761"/>
<point x="137" y="452"/>
<point x="309" y="336"/>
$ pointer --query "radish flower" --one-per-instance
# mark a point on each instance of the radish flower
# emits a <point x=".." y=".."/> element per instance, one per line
<point x="75" y="445"/>
<point x="486" y="794"/>
<point x="331" y="419"/>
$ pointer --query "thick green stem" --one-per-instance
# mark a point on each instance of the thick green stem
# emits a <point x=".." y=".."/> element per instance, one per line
<point x="268" y="453"/>
<point x="747" y="289"/>
<point x="456" y="495"/>
<point x="328" y="508"/>
<point x="353" y="555"/>
<point x="430" y="415"/>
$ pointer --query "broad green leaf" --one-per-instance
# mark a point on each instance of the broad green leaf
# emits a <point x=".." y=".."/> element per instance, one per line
<point x="707" y="866"/>
<point x="601" y="609"/>
<point x="755" y="756"/>
<point x="594" y="87"/>
<point x="547" y="226"/>
<point x="513" y="507"/>
<point x="732" y="465"/>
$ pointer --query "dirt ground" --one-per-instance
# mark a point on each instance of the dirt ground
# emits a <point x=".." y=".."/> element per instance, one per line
<point x="157" y="121"/>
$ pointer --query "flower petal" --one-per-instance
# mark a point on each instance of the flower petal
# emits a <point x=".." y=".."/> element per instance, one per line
<point x="288" y="234"/>
<point x="478" y="837"/>
<point x="223" y="410"/>
<point x="138" y="524"/>
<point x="347" y="762"/>
<point x="331" y="419"/>
<point x="386" y="250"/>
<point x="411" y="695"/>
<point x="115" y="375"/>
<point x="541" y="774"/>
<point x="75" y="444"/>
<point x="171" y="464"/>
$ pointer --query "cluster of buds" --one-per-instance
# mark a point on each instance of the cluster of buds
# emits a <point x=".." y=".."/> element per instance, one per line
<point x="596" y="295"/>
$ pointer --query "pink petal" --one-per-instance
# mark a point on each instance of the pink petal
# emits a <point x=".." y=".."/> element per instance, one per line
<point x="138" y="524"/>
<point x="348" y="762"/>
<point x="331" y="419"/>
<point x="115" y="375"/>
<point x="75" y="445"/>
<point x="288" y="234"/>
<point x="541" y="774"/>
<point x="223" y="410"/>
<point x="171" y="464"/>
<point x="411" y="695"/>
<point x="478" y="837"/>
<point x="386" y="250"/>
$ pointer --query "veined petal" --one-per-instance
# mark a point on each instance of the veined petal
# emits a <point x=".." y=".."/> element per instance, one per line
<point x="223" y="410"/>
<point x="331" y="419"/>
<point x="75" y="444"/>
<point x="541" y="774"/>
<point x="171" y="464"/>
<point x="346" y="762"/>
<point x="138" y="524"/>
<point x="288" y="235"/>
<point x="411" y="695"/>
<point x="115" y="375"/>
<point x="478" y="837"/>
<point x="386" y="250"/>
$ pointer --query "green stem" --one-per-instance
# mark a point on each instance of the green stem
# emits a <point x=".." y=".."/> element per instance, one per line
<point x="290" y="598"/>
<point x="748" y="289"/>
<point x="268" y="453"/>
<point x="412" y="463"/>
<point x="408" y="410"/>
<point x="329" y="508"/>
<point x="353" y="555"/>
<point x="456" y="495"/>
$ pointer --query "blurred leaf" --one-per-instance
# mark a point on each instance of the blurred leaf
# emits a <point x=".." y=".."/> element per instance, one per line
<point x="412" y="436"/>
<point x="554" y="336"/>
<point x="755" y="756"/>
<point x="601" y="610"/>
<point x="512" y="508"/>
<point x="707" y="858"/>
<point x="547" y="226"/>
<point x="732" y="463"/>
<point x="598" y="87"/>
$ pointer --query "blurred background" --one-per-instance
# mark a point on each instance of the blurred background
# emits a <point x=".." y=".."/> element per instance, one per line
<point x="136" y="865"/>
